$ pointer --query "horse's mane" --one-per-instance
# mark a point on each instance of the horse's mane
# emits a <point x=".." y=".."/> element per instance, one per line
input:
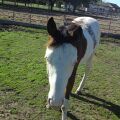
<point x="51" y="42"/>
<point x="63" y="38"/>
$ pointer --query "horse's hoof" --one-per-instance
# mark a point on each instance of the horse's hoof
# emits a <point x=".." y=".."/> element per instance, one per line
<point x="78" y="92"/>
<point x="47" y="106"/>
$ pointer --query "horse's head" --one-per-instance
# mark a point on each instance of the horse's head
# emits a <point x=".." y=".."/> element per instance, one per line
<point x="61" y="57"/>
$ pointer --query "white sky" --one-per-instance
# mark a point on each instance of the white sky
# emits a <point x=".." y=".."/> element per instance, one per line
<point x="113" y="1"/>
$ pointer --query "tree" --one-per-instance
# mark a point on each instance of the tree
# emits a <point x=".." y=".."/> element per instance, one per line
<point x="76" y="3"/>
<point x="51" y="4"/>
<point x="2" y="1"/>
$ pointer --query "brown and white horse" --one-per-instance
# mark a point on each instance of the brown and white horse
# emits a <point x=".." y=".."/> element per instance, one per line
<point x="68" y="47"/>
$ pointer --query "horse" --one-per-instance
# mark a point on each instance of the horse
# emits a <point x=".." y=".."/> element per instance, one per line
<point x="68" y="46"/>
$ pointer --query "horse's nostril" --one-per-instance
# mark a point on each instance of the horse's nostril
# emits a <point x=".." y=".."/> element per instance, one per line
<point x="48" y="103"/>
<point x="51" y="103"/>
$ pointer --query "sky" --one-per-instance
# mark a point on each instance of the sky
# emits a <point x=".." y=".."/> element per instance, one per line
<point x="113" y="1"/>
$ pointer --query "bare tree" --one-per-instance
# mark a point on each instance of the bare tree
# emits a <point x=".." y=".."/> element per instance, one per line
<point x="2" y="1"/>
<point x="51" y="4"/>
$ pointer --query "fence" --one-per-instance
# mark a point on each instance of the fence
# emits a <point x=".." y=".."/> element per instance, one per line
<point x="109" y="25"/>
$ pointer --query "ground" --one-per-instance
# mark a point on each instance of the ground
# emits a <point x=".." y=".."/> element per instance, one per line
<point x="24" y="84"/>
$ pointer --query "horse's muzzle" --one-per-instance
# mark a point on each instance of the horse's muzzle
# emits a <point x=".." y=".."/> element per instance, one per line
<point x="52" y="104"/>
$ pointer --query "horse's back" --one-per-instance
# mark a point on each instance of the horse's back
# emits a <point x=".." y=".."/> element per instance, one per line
<point x="91" y="31"/>
<point x="89" y="25"/>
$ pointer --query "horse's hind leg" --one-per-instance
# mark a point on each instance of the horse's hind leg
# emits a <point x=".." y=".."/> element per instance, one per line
<point x="87" y="71"/>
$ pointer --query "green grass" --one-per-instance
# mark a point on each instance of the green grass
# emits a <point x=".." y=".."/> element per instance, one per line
<point x="24" y="85"/>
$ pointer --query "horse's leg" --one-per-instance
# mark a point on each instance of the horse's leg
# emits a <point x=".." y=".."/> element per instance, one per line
<point x="64" y="109"/>
<point x="87" y="71"/>
<point x="69" y="87"/>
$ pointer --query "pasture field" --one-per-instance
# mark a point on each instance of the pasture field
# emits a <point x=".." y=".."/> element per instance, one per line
<point x="24" y="84"/>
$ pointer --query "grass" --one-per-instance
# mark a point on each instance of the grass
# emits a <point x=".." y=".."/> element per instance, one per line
<point x="24" y="85"/>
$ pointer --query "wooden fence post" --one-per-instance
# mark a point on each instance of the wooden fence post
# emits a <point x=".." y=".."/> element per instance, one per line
<point x="30" y="16"/>
<point x="13" y="18"/>
<point x="110" y="23"/>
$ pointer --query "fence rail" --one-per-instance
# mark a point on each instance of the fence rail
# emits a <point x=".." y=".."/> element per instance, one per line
<point x="108" y="25"/>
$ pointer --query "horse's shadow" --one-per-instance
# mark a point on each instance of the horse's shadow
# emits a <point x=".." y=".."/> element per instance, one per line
<point x="96" y="101"/>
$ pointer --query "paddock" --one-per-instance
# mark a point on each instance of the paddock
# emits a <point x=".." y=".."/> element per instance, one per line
<point x="24" y="83"/>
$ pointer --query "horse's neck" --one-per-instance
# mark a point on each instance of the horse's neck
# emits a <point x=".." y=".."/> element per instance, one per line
<point x="81" y="45"/>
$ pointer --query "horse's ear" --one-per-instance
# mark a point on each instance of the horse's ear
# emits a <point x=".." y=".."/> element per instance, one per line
<point x="51" y="27"/>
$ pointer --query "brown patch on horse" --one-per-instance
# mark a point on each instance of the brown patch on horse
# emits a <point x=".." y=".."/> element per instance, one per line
<point x="81" y="46"/>
<point x="57" y="41"/>
<point x="81" y="49"/>
<point x="72" y="28"/>
<point x="64" y="34"/>
<point x="51" y="42"/>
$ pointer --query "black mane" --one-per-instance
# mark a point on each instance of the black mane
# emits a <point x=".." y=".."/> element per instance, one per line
<point x="63" y="35"/>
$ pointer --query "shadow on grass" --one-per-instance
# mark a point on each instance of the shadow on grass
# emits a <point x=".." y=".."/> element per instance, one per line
<point x="72" y="116"/>
<point x="98" y="102"/>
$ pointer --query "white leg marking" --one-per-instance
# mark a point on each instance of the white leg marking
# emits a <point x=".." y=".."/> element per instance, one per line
<point x="87" y="71"/>
<point x="64" y="109"/>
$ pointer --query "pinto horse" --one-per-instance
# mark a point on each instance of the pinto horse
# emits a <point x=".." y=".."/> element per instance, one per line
<point x="69" y="46"/>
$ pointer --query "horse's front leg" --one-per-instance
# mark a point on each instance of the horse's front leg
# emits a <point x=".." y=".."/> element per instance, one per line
<point x="87" y="71"/>
<point x="64" y="109"/>
<point x="69" y="87"/>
